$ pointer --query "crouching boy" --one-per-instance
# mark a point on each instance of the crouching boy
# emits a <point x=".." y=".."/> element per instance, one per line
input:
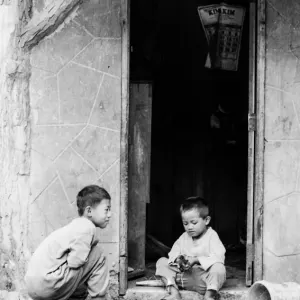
<point x="196" y="260"/>
<point x="69" y="263"/>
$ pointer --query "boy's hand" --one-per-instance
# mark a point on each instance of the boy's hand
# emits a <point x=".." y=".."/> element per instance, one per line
<point x="193" y="260"/>
<point x="183" y="263"/>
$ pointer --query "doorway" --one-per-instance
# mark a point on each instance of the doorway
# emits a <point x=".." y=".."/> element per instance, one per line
<point x="199" y="132"/>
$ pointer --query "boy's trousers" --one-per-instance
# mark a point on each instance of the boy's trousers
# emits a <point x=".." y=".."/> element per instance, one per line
<point x="92" y="278"/>
<point x="196" y="279"/>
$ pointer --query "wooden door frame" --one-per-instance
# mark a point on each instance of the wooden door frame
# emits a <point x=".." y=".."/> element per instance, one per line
<point x="124" y="146"/>
<point x="258" y="182"/>
<point x="259" y="140"/>
<point x="251" y="143"/>
<point x="254" y="263"/>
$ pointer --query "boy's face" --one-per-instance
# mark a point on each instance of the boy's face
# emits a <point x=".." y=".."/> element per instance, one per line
<point x="100" y="214"/>
<point x="193" y="224"/>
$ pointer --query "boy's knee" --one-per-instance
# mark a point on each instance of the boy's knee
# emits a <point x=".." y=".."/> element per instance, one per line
<point x="163" y="261"/>
<point x="216" y="277"/>
<point x="97" y="250"/>
<point x="217" y="269"/>
<point x="97" y="254"/>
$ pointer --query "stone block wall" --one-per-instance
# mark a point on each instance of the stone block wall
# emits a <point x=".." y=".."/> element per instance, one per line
<point x="281" y="239"/>
<point x="75" y="101"/>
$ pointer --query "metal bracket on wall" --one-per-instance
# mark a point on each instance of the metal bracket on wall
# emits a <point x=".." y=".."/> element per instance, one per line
<point x="251" y="122"/>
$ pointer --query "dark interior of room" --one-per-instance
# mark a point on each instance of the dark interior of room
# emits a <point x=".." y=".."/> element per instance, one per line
<point x="188" y="157"/>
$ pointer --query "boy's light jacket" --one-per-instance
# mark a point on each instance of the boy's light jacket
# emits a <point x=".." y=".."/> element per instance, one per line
<point x="209" y="249"/>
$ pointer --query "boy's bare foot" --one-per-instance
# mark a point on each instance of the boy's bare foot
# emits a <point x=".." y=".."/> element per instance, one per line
<point x="173" y="293"/>
<point x="171" y="297"/>
<point x="210" y="295"/>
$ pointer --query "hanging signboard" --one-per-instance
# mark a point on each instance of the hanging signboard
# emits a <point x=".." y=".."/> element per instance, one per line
<point x="223" y="26"/>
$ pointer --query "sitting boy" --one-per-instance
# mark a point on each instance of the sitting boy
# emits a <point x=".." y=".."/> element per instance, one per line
<point x="196" y="260"/>
<point x="69" y="263"/>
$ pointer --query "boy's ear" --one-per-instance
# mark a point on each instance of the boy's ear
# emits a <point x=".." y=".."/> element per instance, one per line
<point x="87" y="211"/>
<point x="207" y="220"/>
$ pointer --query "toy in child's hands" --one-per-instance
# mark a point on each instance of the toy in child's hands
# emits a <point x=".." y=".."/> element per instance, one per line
<point x="183" y="263"/>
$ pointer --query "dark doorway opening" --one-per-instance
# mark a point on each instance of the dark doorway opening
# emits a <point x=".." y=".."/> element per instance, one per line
<point x="199" y="131"/>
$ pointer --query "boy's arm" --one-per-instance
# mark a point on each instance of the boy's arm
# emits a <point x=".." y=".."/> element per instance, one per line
<point x="175" y="252"/>
<point x="216" y="255"/>
<point x="80" y="249"/>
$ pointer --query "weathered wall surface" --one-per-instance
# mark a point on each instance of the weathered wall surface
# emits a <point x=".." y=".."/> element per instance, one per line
<point x="14" y="151"/>
<point x="74" y="112"/>
<point x="282" y="146"/>
<point x="75" y="92"/>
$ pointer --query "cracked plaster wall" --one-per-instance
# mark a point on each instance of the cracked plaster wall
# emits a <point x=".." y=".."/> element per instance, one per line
<point x="282" y="146"/>
<point x="75" y="98"/>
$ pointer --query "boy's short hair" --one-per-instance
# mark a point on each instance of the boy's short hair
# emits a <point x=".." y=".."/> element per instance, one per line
<point x="90" y="195"/>
<point x="197" y="203"/>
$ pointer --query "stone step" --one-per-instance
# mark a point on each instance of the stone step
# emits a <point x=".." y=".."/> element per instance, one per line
<point x="6" y="295"/>
<point x="156" y="293"/>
